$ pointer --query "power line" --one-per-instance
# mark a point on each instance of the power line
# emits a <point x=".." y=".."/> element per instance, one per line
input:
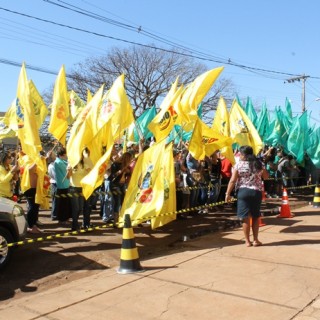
<point x="138" y="29"/>
<point x="45" y="38"/>
<point x="34" y="68"/>
<point x="228" y="62"/>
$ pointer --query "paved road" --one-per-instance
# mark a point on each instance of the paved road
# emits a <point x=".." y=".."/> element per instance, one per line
<point x="270" y="277"/>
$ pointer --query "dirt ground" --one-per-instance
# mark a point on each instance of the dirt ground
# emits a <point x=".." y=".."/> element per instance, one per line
<point x="46" y="263"/>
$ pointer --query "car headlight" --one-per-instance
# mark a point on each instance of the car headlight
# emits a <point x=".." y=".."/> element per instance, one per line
<point x="17" y="211"/>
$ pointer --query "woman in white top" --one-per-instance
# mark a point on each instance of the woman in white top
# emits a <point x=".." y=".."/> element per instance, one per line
<point x="247" y="176"/>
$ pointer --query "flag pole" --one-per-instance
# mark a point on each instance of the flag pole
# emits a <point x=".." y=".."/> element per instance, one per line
<point x="180" y="131"/>
<point x="17" y="152"/>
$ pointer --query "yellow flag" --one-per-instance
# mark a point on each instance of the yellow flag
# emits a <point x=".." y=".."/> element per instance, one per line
<point x="205" y="141"/>
<point x="99" y="143"/>
<point x="164" y="121"/>
<point x="89" y="96"/>
<point x="196" y="91"/>
<point x="41" y="192"/>
<point x="116" y="106"/>
<point x="28" y="132"/>
<point x="96" y="176"/>
<point x="25" y="162"/>
<point x="58" y="125"/>
<point x="196" y="145"/>
<point x="84" y="129"/>
<point x="5" y="131"/>
<point x="76" y="105"/>
<point x="27" y="127"/>
<point x="221" y="124"/>
<point x="145" y="195"/>
<point x="38" y="105"/>
<point x="242" y="131"/>
<point x="10" y="118"/>
<point x="169" y="204"/>
<point x="167" y="99"/>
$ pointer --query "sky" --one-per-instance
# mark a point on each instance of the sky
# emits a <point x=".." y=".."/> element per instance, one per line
<point x="261" y="44"/>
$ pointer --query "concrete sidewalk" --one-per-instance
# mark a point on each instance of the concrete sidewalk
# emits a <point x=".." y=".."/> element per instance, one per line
<point x="211" y="277"/>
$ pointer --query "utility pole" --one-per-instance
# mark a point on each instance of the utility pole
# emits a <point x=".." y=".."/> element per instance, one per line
<point x="303" y="97"/>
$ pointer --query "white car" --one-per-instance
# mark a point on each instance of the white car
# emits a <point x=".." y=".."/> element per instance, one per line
<point x="13" y="228"/>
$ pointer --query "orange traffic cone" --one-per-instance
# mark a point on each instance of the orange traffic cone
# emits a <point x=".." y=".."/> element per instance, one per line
<point x="129" y="259"/>
<point x="261" y="223"/>
<point x="285" y="208"/>
<point x="316" y="198"/>
<point x="263" y="191"/>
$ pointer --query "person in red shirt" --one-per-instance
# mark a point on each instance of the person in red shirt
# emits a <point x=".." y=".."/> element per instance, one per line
<point x="226" y="172"/>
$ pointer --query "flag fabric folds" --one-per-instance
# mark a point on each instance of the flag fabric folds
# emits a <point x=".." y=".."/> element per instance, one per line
<point x="37" y="104"/>
<point x="313" y="148"/>
<point x="106" y="120"/>
<point x="164" y="121"/>
<point x="242" y="131"/>
<point x="166" y="214"/>
<point x="58" y="125"/>
<point x="28" y="135"/>
<point x="95" y="177"/>
<point x="193" y="95"/>
<point x="221" y="124"/>
<point x="116" y="105"/>
<point x="80" y="133"/>
<point x="27" y="128"/>
<point x="140" y="126"/>
<point x="145" y="195"/>
<point x="76" y="105"/>
<point x="251" y="112"/>
<point x="5" y="131"/>
<point x="296" y="143"/>
<point x="205" y="141"/>
<point x="262" y="123"/>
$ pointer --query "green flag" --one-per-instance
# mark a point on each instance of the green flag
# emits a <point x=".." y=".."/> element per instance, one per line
<point x="262" y="122"/>
<point x="251" y="112"/>
<point x="144" y="119"/>
<point x="313" y="148"/>
<point x="288" y="108"/>
<point x="297" y="137"/>
<point x="277" y="134"/>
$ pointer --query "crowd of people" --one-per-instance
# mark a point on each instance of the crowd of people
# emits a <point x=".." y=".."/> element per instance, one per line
<point x="198" y="183"/>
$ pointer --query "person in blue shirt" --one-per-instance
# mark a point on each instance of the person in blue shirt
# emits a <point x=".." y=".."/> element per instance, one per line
<point x="63" y="203"/>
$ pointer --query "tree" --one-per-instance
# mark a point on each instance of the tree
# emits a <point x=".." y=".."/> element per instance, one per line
<point x="149" y="75"/>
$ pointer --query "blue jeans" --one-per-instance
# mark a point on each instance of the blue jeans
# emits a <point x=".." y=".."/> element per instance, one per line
<point x="214" y="190"/>
<point x="203" y="194"/>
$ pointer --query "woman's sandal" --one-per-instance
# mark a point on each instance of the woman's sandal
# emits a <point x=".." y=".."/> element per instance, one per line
<point x="249" y="244"/>
<point x="257" y="243"/>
